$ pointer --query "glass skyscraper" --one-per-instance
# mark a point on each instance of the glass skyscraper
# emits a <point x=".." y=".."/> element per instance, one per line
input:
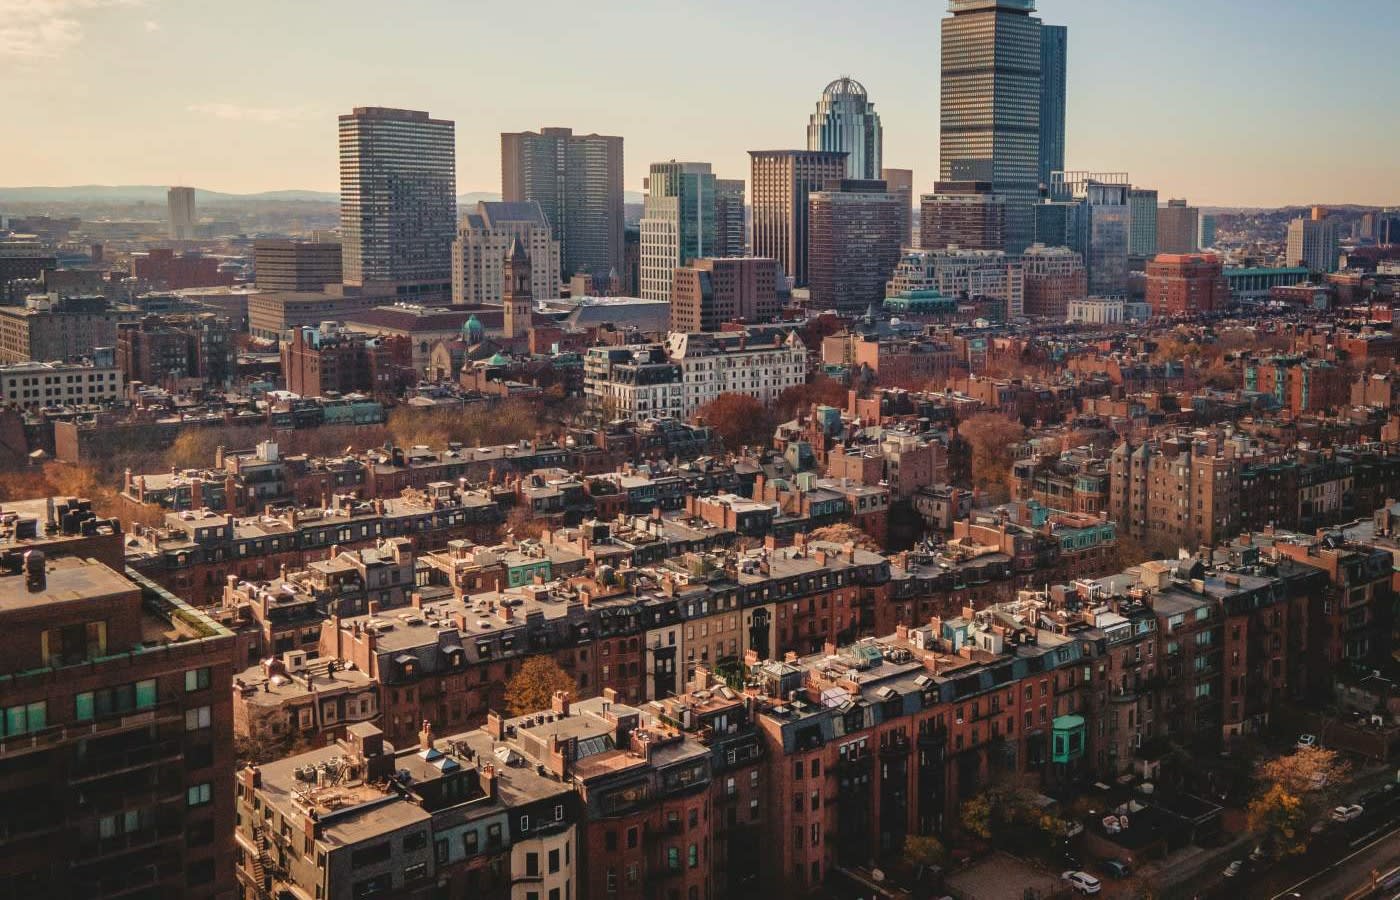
<point x="398" y="201"/>
<point x="1142" y="239"/>
<point x="678" y="223"/>
<point x="990" y="98"/>
<point x="1054" y="45"/>
<point x="845" y="120"/>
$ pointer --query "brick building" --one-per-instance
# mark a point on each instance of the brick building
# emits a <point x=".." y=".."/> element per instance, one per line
<point x="1186" y="284"/>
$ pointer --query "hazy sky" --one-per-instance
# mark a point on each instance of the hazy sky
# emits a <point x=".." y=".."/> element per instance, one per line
<point x="1239" y="102"/>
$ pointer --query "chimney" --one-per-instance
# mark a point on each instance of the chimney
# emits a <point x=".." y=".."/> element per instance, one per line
<point x="488" y="779"/>
<point x="374" y="607"/>
<point x="416" y="600"/>
<point x="560" y="703"/>
<point x="425" y="736"/>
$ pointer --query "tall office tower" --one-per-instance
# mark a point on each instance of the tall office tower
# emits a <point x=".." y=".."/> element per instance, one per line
<point x="707" y="293"/>
<point x="1109" y="221"/>
<point x="964" y="214"/>
<point x="855" y="242"/>
<point x="730" y="226"/>
<point x="1054" y="58"/>
<point x="577" y="181"/>
<point x="782" y="181"/>
<point x="845" y="121"/>
<point x="901" y="183"/>
<point x="483" y="241"/>
<point x="990" y="98"/>
<point x="1208" y="231"/>
<point x="1178" y="227"/>
<point x="182" y="215"/>
<point x="678" y="223"/>
<point x="398" y="201"/>
<point x="1061" y="223"/>
<point x="1312" y="243"/>
<point x="1142" y="238"/>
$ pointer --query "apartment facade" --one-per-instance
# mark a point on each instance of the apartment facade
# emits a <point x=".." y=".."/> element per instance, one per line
<point x="782" y="182"/>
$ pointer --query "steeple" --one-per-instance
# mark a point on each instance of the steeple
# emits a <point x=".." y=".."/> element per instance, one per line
<point x="518" y="296"/>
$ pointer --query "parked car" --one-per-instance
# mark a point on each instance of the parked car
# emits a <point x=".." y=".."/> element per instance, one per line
<point x="1306" y="740"/>
<point x="1234" y="868"/>
<point x="1082" y="882"/>
<point x="1117" y="868"/>
<point x="1348" y="813"/>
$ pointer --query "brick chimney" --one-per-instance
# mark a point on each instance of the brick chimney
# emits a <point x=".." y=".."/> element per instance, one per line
<point x="560" y="703"/>
<point x="425" y="736"/>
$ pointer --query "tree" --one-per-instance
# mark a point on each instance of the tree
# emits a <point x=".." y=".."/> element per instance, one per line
<point x="993" y="439"/>
<point x="740" y="420"/>
<point x="1278" y="817"/>
<point x="924" y="850"/>
<point x="533" y="687"/>
<point x="976" y="815"/>
<point x="1293" y="789"/>
<point x="520" y="523"/>
<point x="843" y="533"/>
<point x="800" y="398"/>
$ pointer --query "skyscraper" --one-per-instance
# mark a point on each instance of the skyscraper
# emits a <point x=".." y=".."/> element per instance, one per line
<point x="707" y="293"/>
<point x="855" y="241"/>
<point x="730" y="226"/>
<point x="1109" y="221"/>
<point x="1054" y="56"/>
<point x="782" y="181"/>
<point x="1208" y="231"/>
<point x="845" y="120"/>
<point x="182" y="215"/>
<point x="901" y="183"/>
<point x="1178" y="227"/>
<point x="398" y="201"/>
<point x="678" y="223"/>
<point x="990" y="97"/>
<point x="1312" y="243"/>
<point x="964" y="214"/>
<point x="1142" y="238"/>
<point x="577" y="181"/>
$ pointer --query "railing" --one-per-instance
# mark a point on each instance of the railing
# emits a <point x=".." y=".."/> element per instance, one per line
<point x="108" y="764"/>
<point x="53" y="736"/>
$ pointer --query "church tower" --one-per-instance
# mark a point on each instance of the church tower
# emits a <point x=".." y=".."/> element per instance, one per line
<point x="518" y="296"/>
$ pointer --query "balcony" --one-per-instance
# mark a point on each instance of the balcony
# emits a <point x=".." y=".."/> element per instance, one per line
<point x="48" y="738"/>
<point x="102" y="849"/>
<point x="122" y="762"/>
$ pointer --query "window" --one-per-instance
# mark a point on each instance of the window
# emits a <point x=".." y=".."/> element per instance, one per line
<point x="532" y="865"/>
<point x="117" y="700"/>
<point x="198" y="718"/>
<point x="673" y="859"/>
<point x="201" y="872"/>
<point x="371" y="855"/>
<point x="692" y="856"/>
<point x="199" y="794"/>
<point x="197" y="679"/>
<point x="553" y="861"/>
<point x="470" y="841"/>
<point x="24" y="718"/>
<point x="416" y="841"/>
<point x="524" y="823"/>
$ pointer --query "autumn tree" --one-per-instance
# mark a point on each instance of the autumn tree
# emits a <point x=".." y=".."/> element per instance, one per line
<point x="924" y="850"/>
<point x="800" y="397"/>
<point x="520" y="523"/>
<point x="533" y="687"/>
<point x="1293" y="790"/>
<point x="993" y="439"/>
<point x="1279" y="818"/>
<point x="843" y="533"/>
<point x="740" y="420"/>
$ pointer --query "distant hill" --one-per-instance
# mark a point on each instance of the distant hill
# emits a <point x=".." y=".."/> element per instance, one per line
<point x="147" y="193"/>
<point x="152" y="193"/>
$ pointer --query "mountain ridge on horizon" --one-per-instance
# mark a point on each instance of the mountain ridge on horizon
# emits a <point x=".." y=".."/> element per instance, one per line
<point x="151" y="193"/>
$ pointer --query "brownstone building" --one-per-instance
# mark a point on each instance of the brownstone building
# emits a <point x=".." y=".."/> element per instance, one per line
<point x="316" y="362"/>
<point x="163" y="350"/>
<point x="162" y="267"/>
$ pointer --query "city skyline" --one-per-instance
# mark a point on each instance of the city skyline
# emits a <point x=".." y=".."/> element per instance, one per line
<point x="246" y="131"/>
